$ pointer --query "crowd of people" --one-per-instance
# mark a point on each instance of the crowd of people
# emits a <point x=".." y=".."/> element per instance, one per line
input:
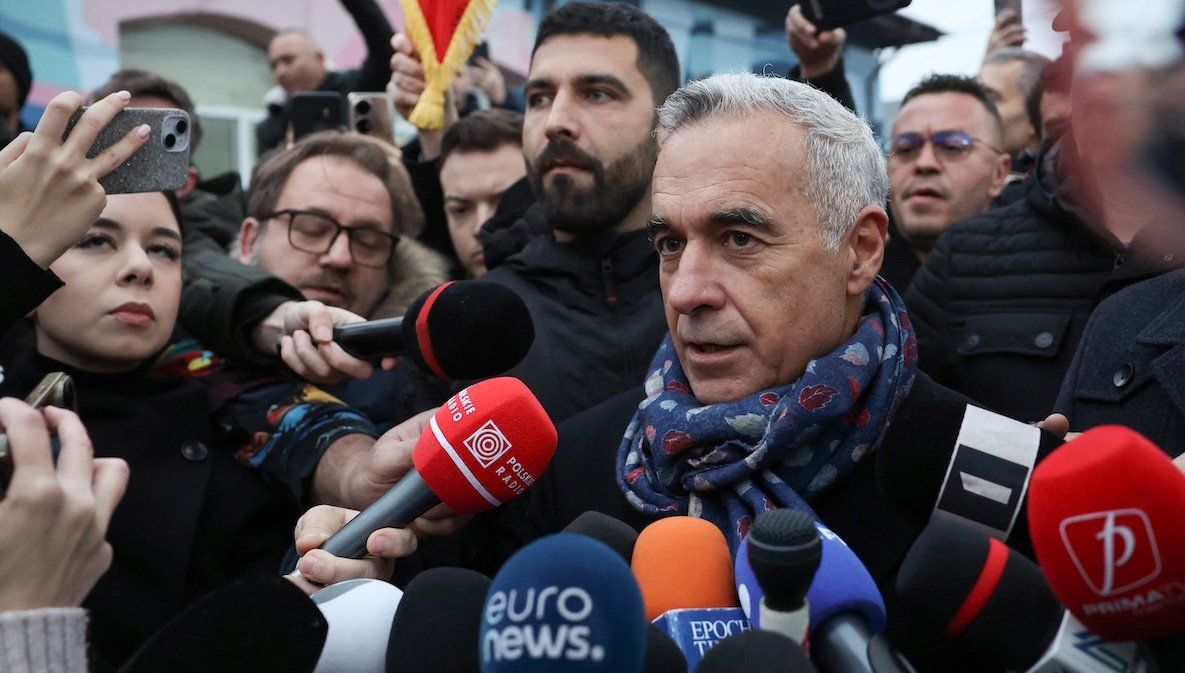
<point x="741" y="300"/>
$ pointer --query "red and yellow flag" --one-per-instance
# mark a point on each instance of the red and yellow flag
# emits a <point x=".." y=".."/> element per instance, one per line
<point x="445" y="33"/>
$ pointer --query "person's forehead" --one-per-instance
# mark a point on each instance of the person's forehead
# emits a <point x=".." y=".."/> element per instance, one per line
<point x="290" y="43"/>
<point x="139" y="213"/>
<point x="1003" y="76"/>
<point x="338" y="186"/>
<point x="478" y="172"/>
<point x="564" y="58"/>
<point x="946" y="111"/>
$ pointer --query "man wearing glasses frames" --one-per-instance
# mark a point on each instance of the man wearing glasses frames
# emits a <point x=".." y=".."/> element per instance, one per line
<point x="945" y="158"/>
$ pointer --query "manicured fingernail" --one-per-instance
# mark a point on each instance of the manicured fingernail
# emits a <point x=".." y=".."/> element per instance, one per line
<point x="143" y="130"/>
<point x="124" y="96"/>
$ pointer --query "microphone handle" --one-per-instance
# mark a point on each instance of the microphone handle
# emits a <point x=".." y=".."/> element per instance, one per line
<point x="398" y="507"/>
<point x="844" y="644"/>
<point x="372" y="338"/>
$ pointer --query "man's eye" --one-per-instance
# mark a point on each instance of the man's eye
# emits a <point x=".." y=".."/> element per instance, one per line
<point x="668" y="245"/>
<point x="739" y="239"/>
<point x="538" y="100"/>
<point x="599" y="96"/>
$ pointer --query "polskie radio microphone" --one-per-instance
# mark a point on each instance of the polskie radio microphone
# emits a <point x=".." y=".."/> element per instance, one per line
<point x="563" y="604"/>
<point x="685" y="570"/>
<point x="1106" y="512"/>
<point x="484" y="447"/>
<point x="465" y="329"/>
<point x="994" y="607"/>
<point x="784" y="551"/>
<point x="982" y="480"/>
<point x="359" y="613"/>
<point x="756" y="652"/>
<point x="614" y="533"/>
<point x="436" y="627"/>
<point x="256" y="624"/>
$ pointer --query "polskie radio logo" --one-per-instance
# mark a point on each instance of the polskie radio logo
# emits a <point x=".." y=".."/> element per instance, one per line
<point x="487" y="444"/>
<point x="550" y="623"/>
<point x="1115" y="551"/>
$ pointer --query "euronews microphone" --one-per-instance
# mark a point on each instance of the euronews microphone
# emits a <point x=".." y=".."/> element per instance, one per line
<point x="436" y="627"/>
<point x="466" y="329"/>
<point x="784" y="551"/>
<point x="1106" y="512"/>
<point x="485" y="446"/>
<point x="996" y="609"/>
<point x="685" y="571"/>
<point x="563" y="604"/>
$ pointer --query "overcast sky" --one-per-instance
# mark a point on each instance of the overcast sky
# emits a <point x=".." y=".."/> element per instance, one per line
<point x="967" y="24"/>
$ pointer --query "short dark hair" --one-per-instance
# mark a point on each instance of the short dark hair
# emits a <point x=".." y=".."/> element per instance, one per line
<point x="482" y="131"/>
<point x="935" y="84"/>
<point x="268" y="178"/>
<point x="657" y="60"/>
<point x="145" y="83"/>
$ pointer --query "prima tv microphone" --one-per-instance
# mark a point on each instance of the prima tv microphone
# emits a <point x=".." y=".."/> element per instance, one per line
<point x="684" y="568"/>
<point x="465" y="329"/>
<point x="563" y="604"/>
<point x="615" y="533"/>
<point x="981" y="480"/>
<point x="1106" y="512"/>
<point x="435" y="629"/>
<point x="995" y="608"/>
<point x="484" y="447"/>
<point x="784" y="551"/>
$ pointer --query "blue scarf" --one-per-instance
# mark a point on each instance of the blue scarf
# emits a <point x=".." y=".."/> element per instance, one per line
<point x="781" y="447"/>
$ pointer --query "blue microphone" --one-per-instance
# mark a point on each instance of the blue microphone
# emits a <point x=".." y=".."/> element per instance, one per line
<point x="563" y="604"/>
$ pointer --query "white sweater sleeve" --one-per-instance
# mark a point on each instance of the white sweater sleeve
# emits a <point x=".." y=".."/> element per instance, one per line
<point x="52" y="640"/>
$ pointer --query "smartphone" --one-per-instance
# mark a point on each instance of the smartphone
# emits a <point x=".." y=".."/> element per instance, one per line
<point x="316" y="111"/>
<point x="372" y="113"/>
<point x="1014" y="5"/>
<point x="830" y="14"/>
<point x="162" y="164"/>
<point x="56" y="390"/>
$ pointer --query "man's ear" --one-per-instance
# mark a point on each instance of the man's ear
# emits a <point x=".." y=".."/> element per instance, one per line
<point x="1000" y="174"/>
<point x="865" y="248"/>
<point x="249" y="234"/>
<point x="191" y="180"/>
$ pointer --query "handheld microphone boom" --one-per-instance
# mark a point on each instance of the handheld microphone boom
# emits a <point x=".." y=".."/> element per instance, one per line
<point x="484" y="447"/>
<point x="465" y="329"/>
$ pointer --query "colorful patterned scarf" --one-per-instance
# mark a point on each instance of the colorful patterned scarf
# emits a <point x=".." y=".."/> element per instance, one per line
<point x="781" y="447"/>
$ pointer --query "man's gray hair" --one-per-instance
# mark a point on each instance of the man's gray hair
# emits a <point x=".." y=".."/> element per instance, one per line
<point x="845" y="168"/>
<point x="1030" y="73"/>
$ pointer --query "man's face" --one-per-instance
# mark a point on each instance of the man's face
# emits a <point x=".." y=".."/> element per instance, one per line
<point x="353" y="196"/>
<point x="587" y="131"/>
<point x="9" y="95"/>
<point x="929" y="190"/>
<point x="297" y="63"/>
<point x="748" y="305"/>
<point x="473" y="184"/>
<point x="1002" y="81"/>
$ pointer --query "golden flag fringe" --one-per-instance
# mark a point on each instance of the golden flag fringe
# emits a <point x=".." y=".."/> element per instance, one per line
<point x="428" y="113"/>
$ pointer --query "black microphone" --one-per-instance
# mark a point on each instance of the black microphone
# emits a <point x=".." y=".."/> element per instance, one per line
<point x="614" y="533"/>
<point x="436" y="627"/>
<point x="662" y="654"/>
<point x="756" y="652"/>
<point x="466" y="329"/>
<point x="257" y="624"/>
<point x="978" y="474"/>
<point x="784" y="552"/>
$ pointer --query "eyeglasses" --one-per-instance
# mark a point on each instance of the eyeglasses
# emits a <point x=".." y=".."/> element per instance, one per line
<point x="948" y="145"/>
<point x="316" y="233"/>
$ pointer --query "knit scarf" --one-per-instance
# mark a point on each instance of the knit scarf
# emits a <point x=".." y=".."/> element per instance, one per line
<point x="781" y="447"/>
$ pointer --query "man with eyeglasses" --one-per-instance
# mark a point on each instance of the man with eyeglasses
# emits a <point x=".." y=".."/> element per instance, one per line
<point x="945" y="161"/>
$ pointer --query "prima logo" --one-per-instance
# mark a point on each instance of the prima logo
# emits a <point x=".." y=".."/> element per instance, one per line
<point x="1115" y="551"/>
<point x="487" y="444"/>
<point x="539" y="624"/>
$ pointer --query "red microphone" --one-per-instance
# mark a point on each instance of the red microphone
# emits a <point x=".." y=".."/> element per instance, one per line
<point x="1105" y="512"/>
<point x="483" y="448"/>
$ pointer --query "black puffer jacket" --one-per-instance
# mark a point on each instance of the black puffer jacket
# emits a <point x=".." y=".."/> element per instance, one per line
<point x="1003" y="299"/>
<point x="597" y="310"/>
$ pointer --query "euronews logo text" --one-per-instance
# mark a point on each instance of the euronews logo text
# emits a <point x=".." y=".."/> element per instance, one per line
<point x="540" y="624"/>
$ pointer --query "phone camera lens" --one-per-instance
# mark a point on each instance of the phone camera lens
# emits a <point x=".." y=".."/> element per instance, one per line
<point x="362" y="107"/>
<point x="181" y="126"/>
<point x="363" y="126"/>
<point x="170" y="140"/>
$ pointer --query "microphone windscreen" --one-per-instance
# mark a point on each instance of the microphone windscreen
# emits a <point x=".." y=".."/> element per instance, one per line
<point x="435" y="629"/>
<point x="359" y="613"/>
<point x="682" y="562"/>
<point x="784" y="552"/>
<point x="662" y="654"/>
<point x="564" y="603"/>
<point x="614" y="533"/>
<point x="259" y="624"/>
<point x="468" y="329"/>
<point x="971" y="587"/>
<point x="1105" y="512"/>
<point x="756" y="652"/>
<point x="843" y="584"/>
<point x="485" y="446"/>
